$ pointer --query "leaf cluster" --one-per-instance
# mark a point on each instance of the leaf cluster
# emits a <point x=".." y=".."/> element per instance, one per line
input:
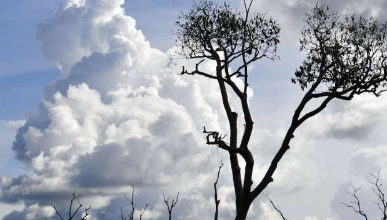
<point x="345" y="56"/>
<point x="209" y="28"/>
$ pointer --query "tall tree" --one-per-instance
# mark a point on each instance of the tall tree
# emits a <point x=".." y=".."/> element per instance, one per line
<point x="345" y="57"/>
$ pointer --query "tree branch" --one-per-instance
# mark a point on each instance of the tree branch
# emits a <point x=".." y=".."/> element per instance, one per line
<point x="171" y="205"/>
<point x="356" y="205"/>
<point x="71" y="213"/>
<point x="217" y="201"/>
<point x="276" y="207"/>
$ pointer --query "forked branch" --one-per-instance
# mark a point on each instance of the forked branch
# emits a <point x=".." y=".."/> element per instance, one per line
<point x="72" y="214"/>
<point x="356" y="205"/>
<point x="130" y="215"/>
<point x="170" y="205"/>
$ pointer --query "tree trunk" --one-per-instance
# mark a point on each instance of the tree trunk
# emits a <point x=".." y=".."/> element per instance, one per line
<point x="243" y="210"/>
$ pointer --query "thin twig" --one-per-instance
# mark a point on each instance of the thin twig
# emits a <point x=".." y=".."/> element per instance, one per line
<point x="276" y="207"/>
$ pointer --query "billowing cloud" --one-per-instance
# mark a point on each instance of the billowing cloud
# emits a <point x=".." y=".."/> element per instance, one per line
<point x="118" y="115"/>
<point x="7" y="134"/>
<point x="291" y="13"/>
<point x="362" y="119"/>
<point x="32" y="212"/>
<point x="354" y="120"/>
<point x="8" y="165"/>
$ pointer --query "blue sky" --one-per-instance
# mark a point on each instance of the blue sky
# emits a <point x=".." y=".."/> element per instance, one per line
<point x="345" y="143"/>
<point x="23" y="71"/>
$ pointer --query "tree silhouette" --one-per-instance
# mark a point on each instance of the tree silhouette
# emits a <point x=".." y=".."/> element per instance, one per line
<point x="72" y="214"/>
<point x="356" y="205"/>
<point x="133" y="204"/>
<point x="170" y="205"/>
<point x="345" y="57"/>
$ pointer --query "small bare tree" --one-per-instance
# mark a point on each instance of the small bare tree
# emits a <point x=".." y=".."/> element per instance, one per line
<point x="72" y="214"/>
<point x="381" y="202"/>
<point x="130" y="215"/>
<point x="345" y="57"/>
<point x="356" y="204"/>
<point x="170" y="205"/>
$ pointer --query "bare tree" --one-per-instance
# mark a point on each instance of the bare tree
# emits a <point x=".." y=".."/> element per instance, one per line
<point x="170" y="205"/>
<point x="133" y="204"/>
<point x="345" y="57"/>
<point x="72" y="214"/>
<point x="356" y="203"/>
<point x="381" y="202"/>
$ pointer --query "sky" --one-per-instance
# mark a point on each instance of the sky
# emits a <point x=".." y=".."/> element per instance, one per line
<point x="91" y="103"/>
